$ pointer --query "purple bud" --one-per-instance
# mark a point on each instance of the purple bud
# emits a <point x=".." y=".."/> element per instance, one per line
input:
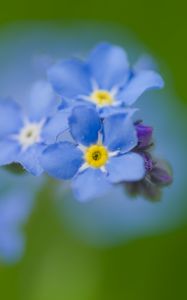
<point x="148" y="161"/>
<point x="144" y="134"/>
<point x="161" y="176"/>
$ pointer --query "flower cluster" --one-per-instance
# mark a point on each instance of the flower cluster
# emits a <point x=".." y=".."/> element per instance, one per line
<point x="158" y="173"/>
<point x="88" y="136"/>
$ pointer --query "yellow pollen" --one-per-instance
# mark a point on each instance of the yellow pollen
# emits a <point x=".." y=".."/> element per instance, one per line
<point x="96" y="156"/>
<point x="102" y="98"/>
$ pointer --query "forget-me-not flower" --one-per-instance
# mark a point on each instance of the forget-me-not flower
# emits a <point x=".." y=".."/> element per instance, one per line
<point x="23" y="136"/>
<point x="100" y="156"/>
<point x="105" y="80"/>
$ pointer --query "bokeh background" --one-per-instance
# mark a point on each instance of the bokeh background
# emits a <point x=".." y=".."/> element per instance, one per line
<point x="60" y="262"/>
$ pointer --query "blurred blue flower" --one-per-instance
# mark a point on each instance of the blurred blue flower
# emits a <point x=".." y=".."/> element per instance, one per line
<point x="15" y="207"/>
<point x="101" y="155"/>
<point x="23" y="137"/>
<point x="105" y="80"/>
<point x="17" y="196"/>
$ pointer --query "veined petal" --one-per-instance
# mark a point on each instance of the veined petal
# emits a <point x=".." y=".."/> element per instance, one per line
<point x="84" y="124"/>
<point x="90" y="184"/>
<point x="29" y="159"/>
<point x="10" y="117"/>
<point x="61" y="160"/>
<point x="109" y="65"/>
<point x="70" y="78"/>
<point x="127" y="167"/>
<point x="119" y="133"/>
<point x="42" y="101"/>
<point x="9" y="151"/>
<point x="141" y="82"/>
<point x="55" y="126"/>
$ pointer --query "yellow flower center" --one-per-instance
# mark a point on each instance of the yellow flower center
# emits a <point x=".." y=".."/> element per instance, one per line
<point x="102" y="98"/>
<point x="96" y="156"/>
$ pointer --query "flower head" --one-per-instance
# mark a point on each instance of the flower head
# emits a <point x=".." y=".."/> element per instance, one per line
<point x="105" y="80"/>
<point x="23" y="136"/>
<point x="100" y="155"/>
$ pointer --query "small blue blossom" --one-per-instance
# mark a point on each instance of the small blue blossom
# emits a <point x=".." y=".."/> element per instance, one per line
<point x="99" y="156"/>
<point x="23" y="136"/>
<point x="105" y="80"/>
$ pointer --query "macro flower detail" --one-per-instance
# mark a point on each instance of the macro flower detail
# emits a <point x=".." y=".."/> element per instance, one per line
<point x="29" y="134"/>
<point x="89" y="136"/>
<point x="102" y="98"/>
<point x="96" y="156"/>
<point x="77" y="131"/>
<point x="105" y="80"/>
<point x="23" y="136"/>
<point x="100" y="155"/>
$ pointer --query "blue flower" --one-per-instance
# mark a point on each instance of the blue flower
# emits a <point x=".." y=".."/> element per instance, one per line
<point x="105" y="80"/>
<point x="23" y="136"/>
<point x="100" y="155"/>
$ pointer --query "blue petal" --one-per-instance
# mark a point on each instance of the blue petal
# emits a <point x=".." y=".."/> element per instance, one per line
<point x="15" y="207"/>
<point x="112" y="110"/>
<point x="119" y="133"/>
<point x="55" y="126"/>
<point x="61" y="160"/>
<point x="90" y="184"/>
<point x="109" y="65"/>
<point x="127" y="167"/>
<point x="10" y="117"/>
<point x="29" y="159"/>
<point x="141" y="82"/>
<point x="70" y="78"/>
<point x="9" y="151"/>
<point x="41" y="102"/>
<point x="84" y="125"/>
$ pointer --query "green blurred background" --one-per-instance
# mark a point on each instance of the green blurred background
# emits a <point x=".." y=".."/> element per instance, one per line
<point x="57" y="265"/>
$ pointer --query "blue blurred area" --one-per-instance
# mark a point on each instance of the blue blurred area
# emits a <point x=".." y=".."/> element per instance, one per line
<point x="109" y="248"/>
<point x="17" y="196"/>
<point x="116" y="217"/>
